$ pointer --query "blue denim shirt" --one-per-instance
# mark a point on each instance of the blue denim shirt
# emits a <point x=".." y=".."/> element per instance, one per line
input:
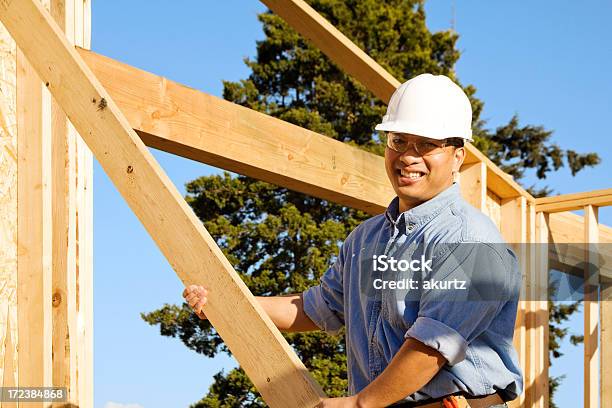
<point x="475" y="337"/>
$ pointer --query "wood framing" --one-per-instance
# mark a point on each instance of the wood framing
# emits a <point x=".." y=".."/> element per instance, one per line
<point x="33" y="228"/>
<point x="473" y="184"/>
<point x="574" y="201"/>
<point x="542" y="268"/>
<point x="8" y="212"/>
<point x="72" y="176"/>
<point x="180" y="120"/>
<point x="514" y="229"/>
<point x="248" y="332"/>
<point x="605" y="320"/>
<point x="591" y="310"/>
<point x="46" y="286"/>
<point x="530" y="369"/>
<point x="183" y="121"/>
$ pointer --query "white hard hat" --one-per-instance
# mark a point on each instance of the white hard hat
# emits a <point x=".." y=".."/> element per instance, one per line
<point x="431" y="106"/>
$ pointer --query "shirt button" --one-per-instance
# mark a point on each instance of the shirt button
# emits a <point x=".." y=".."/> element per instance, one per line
<point x="410" y="227"/>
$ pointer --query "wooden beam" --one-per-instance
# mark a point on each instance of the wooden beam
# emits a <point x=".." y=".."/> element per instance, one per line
<point x="493" y="207"/>
<point x="539" y="274"/>
<point x="591" y="309"/>
<point x="84" y="214"/>
<point x="530" y="371"/>
<point x="605" y="320"/>
<point x="575" y="201"/>
<point x="183" y="121"/>
<point x="352" y="59"/>
<point x="306" y="21"/>
<point x="514" y="230"/>
<point x="248" y="332"/>
<point x="33" y="232"/>
<point x="72" y="174"/>
<point x="473" y="183"/>
<point x="542" y="268"/>
<point x="8" y="213"/>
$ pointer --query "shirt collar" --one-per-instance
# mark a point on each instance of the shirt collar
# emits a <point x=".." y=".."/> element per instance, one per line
<point x="423" y="212"/>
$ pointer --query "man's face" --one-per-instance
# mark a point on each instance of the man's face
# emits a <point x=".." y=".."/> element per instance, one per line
<point x="417" y="177"/>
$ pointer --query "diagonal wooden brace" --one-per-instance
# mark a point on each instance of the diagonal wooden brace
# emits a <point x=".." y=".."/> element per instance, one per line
<point x="251" y="336"/>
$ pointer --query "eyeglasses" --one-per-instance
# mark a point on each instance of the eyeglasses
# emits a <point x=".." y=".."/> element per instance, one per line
<point x="400" y="144"/>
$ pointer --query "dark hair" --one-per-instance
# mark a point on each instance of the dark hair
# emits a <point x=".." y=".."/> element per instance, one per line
<point x="455" y="141"/>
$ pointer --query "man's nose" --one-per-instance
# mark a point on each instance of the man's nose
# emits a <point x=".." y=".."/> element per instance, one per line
<point x="410" y="156"/>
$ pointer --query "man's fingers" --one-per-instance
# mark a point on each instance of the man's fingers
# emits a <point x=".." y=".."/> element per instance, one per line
<point x="195" y="296"/>
<point x="194" y="289"/>
<point x="199" y="305"/>
<point x="191" y="298"/>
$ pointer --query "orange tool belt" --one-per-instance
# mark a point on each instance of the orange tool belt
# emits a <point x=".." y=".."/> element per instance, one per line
<point x="459" y="401"/>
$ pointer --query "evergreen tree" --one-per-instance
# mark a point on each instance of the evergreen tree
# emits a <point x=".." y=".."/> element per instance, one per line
<point x="281" y="241"/>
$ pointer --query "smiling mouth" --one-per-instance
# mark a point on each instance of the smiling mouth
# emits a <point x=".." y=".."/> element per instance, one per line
<point x="410" y="174"/>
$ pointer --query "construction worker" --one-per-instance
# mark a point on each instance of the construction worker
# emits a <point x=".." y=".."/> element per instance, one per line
<point x="423" y="346"/>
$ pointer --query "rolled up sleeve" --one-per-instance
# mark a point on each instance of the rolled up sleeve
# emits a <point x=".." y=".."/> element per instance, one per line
<point x="324" y="303"/>
<point x="449" y="320"/>
<point x="435" y="334"/>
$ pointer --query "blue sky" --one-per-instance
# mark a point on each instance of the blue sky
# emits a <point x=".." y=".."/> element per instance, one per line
<point x="543" y="60"/>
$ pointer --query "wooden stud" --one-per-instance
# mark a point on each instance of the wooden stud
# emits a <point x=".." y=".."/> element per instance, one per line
<point x="605" y="320"/>
<point x="72" y="264"/>
<point x="473" y="182"/>
<point x="591" y="309"/>
<point x="532" y="340"/>
<point x="539" y="307"/>
<point x="249" y="333"/>
<point x="493" y="208"/>
<point x="33" y="232"/>
<point x="8" y="213"/>
<point x="541" y="248"/>
<point x="514" y="230"/>
<point x="64" y="239"/>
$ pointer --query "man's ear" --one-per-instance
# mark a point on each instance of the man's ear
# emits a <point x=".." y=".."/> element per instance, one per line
<point x="458" y="158"/>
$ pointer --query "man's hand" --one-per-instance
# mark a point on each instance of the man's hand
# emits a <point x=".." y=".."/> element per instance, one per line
<point x="196" y="297"/>
<point x="344" y="402"/>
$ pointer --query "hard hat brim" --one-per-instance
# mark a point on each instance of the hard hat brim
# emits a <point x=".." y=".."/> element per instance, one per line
<point x="402" y="127"/>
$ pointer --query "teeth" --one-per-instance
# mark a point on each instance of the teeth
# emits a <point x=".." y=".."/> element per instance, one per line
<point x="412" y="174"/>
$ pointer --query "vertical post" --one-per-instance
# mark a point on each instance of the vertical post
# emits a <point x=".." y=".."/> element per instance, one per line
<point x="72" y="295"/>
<point x="33" y="228"/>
<point x="530" y="372"/>
<point x="605" y="319"/>
<point x="473" y="183"/>
<point x="8" y="213"/>
<point x="84" y="219"/>
<point x="541" y="243"/>
<point x="591" y="282"/>
<point x="514" y="231"/>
